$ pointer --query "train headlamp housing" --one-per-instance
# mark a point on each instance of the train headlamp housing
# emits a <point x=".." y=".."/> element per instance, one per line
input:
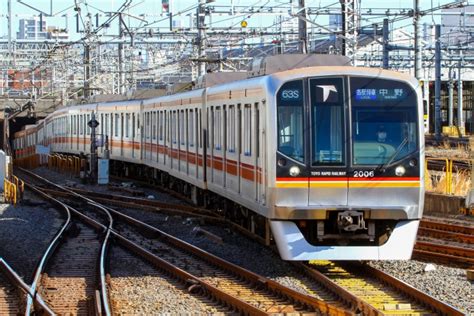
<point x="294" y="171"/>
<point x="282" y="162"/>
<point x="400" y="171"/>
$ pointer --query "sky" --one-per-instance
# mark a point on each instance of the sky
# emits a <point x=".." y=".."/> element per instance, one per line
<point x="153" y="11"/>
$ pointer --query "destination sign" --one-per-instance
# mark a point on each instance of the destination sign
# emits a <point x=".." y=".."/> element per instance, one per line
<point x="380" y="94"/>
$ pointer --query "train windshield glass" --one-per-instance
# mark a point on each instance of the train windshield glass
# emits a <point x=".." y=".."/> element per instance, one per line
<point x="327" y="121"/>
<point x="290" y="120"/>
<point x="384" y="120"/>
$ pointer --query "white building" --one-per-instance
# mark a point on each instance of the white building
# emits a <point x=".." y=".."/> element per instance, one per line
<point x="32" y="29"/>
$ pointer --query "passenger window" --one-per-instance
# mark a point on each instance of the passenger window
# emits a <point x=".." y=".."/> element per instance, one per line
<point x="217" y="128"/>
<point x="182" y="135"/>
<point x="191" y="128"/>
<point x="116" y="125"/>
<point x="247" y="130"/>
<point x="231" y="132"/>
<point x="127" y="125"/>
<point x="154" y="125"/>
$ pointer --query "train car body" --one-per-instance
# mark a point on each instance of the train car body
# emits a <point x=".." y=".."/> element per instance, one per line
<point x="330" y="156"/>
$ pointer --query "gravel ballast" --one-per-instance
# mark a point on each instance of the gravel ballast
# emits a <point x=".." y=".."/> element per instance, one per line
<point x="25" y="232"/>
<point x="445" y="283"/>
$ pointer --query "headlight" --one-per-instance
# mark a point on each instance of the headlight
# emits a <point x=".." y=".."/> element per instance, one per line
<point x="294" y="171"/>
<point x="400" y="171"/>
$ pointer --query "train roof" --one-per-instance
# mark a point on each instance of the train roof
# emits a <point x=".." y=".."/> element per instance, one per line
<point x="278" y="63"/>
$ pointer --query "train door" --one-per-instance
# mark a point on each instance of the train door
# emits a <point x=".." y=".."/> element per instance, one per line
<point x="327" y="177"/>
<point x="261" y="152"/>
<point x="140" y="131"/>
<point x="76" y="120"/>
<point x="112" y="134"/>
<point x="122" y="134"/>
<point x="256" y="135"/>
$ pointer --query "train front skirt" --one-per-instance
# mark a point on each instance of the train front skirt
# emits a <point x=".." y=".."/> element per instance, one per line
<point x="293" y="246"/>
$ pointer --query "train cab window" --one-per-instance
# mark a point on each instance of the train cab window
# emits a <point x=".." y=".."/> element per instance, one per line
<point x="384" y="120"/>
<point x="327" y="121"/>
<point x="290" y="120"/>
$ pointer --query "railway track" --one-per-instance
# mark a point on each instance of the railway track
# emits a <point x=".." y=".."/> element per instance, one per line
<point x="446" y="231"/>
<point x="10" y="297"/>
<point x="69" y="282"/>
<point x="70" y="273"/>
<point x="13" y="292"/>
<point x="207" y="275"/>
<point x="445" y="242"/>
<point x="380" y="295"/>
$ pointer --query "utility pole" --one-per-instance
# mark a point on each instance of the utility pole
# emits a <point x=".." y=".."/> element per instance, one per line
<point x="302" y="28"/>
<point x="350" y="22"/>
<point x="437" y="81"/>
<point x="450" y="99"/>
<point x="10" y="47"/>
<point x="416" y="31"/>
<point x="201" y="38"/>
<point x="460" y="97"/>
<point x="385" y="44"/>
<point x="121" y="77"/>
<point x="87" y="71"/>
<point x="93" y="123"/>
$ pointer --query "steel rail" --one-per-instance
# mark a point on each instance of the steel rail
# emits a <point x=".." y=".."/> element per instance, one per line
<point x="103" y="255"/>
<point x="461" y="256"/>
<point x="166" y="208"/>
<point x="462" y="229"/>
<point x="52" y="245"/>
<point x="356" y="270"/>
<point x="250" y="276"/>
<point x="271" y="285"/>
<point x="357" y="304"/>
<point x="59" y="235"/>
<point x="404" y="287"/>
<point x="43" y="308"/>
<point x="134" y="202"/>
<point x="186" y="277"/>
<point x="446" y="235"/>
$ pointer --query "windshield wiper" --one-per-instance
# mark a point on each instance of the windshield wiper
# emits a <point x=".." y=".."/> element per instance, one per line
<point x="382" y="167"/>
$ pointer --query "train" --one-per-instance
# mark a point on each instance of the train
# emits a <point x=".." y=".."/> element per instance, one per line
<point x="324" y="159"/>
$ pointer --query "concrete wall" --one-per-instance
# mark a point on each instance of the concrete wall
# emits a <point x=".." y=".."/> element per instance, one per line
<point x="440" y="203"/>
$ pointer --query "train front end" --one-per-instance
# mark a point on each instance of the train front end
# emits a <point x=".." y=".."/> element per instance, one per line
<point x="349" y="167"/>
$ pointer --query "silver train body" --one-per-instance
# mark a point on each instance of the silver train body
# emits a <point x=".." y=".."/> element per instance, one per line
<point x="330" y="156"/>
